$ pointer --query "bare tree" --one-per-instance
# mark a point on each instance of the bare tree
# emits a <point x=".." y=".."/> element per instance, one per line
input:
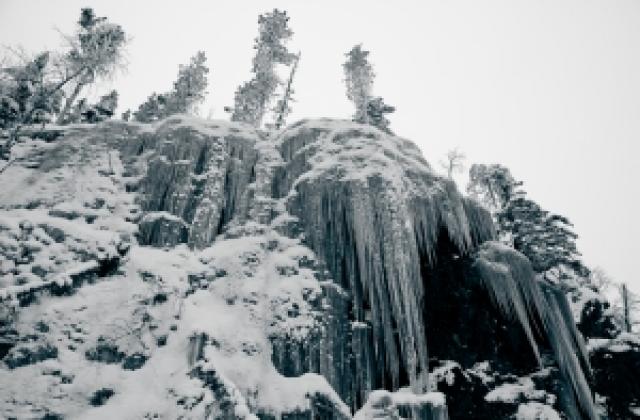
<point x="454" y="163"/>
<point x="625" y="304"/>
<point x="630" y="309"/>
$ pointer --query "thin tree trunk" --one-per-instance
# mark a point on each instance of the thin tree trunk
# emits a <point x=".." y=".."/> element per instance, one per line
<point x="625" y="308"/>
<point x="287" y="95"/>
<point x="69" y="102"/>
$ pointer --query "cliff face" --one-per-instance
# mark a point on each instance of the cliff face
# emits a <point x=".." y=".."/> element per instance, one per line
<point x="200" y="269"/>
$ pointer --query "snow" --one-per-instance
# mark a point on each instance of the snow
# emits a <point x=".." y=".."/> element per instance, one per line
<point x="536" y="411"/>
<point x="481" y="370"/>
<point x="357" y="152"/>
<point x="622" y="343"/>
<point x="523" y="389"/>
<point x="445" y="372"/>
<point x="406" y="398"/>
<point x="250" y="305"/>
<point x="384" y="404"/>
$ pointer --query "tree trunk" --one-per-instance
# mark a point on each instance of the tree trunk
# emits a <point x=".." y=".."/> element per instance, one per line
<point x="625" y="308"/>
<point x="69" y="102"/>
<point x="280" y="119"/>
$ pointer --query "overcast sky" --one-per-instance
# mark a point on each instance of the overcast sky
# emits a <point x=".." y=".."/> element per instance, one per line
<point x="550" y="89"/>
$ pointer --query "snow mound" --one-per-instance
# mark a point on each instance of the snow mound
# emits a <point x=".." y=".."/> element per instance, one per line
<point x="536" y="411"/>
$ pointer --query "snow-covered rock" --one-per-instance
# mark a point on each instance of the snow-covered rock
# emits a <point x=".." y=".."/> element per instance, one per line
<point x="202" y="269"/>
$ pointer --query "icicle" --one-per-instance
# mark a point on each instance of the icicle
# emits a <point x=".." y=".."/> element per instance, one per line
<point x="507" y="294"/>
<point x="561" y="338"/>
<point x="373" y="230"/>
<point x="509" y="278"/>
<point x="566" y="315"/>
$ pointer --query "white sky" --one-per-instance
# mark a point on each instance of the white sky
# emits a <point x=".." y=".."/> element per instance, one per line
<point x="549" y="88"/>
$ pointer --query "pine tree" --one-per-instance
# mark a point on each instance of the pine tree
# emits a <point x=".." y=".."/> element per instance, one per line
<point x="547" y="239"/>
<point x="188" y="92"/>
<point x="153" y="109"/>
<point x="359" y="77"/>
<point x="104" y="109"/>
<point x="492" y="185"/>
<point x="252" y="98"/>
<point x="376" y="110"/>
<point x="32" y="92"/>
<point x="96" y="52"/>
<point x="189" y="89"/>
<point x="26" y="93"/>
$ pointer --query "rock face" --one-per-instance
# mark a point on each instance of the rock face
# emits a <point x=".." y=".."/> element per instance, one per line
<point x="616" y="363"/>
<point x="269" y="276"/>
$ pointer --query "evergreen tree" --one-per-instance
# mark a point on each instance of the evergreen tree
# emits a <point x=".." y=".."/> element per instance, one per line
<point x="252" y="98"/>
<point x="189" y="89"/>
<point x="96" y="52"/>
<point x="27" y="94"/>
<point x="359" y="80"/>
<point x="547" y="239"/>
<point x="33" y="90"/>
<point x="492" y="185"/>
<point x="153" y="109"/>
<point x="188" y="92"/>
<point x="104" y="109"/>
<point x="376" y="110"/>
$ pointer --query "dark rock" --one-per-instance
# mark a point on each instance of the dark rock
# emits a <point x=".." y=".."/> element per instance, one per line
<point x="159" y="298"/>
<point x="26" y="226"/>
<point x="162" y="230"/>
<point x="134" y="361"/>
<point x="123" y="248"/>
<point x="101" y="396"/>
<point x="55" y="233"/>
<point x="41" y="326"/>
<point x="465" y="396"/>
<point x="5" y="346"/>
<point x="39" y="271"/>
<point x="596" y="322"/>
<point x="65" y="214"/>
<point x="25" y="354"/>
<point x="66" y="379"/>
<point x="52" y="416"/>
<point x="616" y="369"/>
<point x="90" y="218"/>
<point x="105" y="352"/>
